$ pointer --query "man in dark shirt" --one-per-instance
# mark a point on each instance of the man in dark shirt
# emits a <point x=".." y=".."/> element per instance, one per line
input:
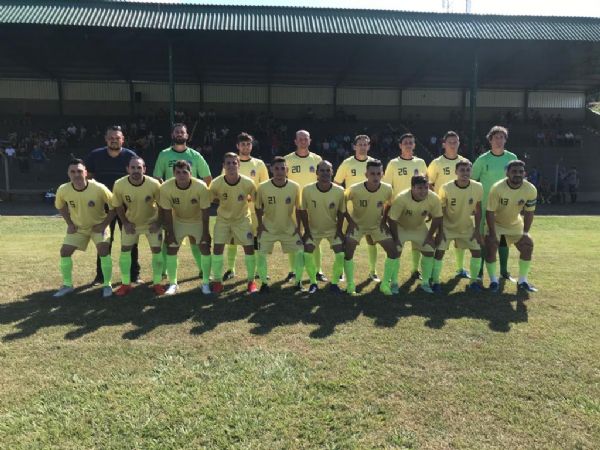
<point x="106" y="165"/>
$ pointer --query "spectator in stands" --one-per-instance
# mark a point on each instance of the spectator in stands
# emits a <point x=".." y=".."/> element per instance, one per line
<point x="106" y="165"/>
<point x="544" y="191"/>
<point x="23" y="160"/>
<point x="10" y="151"/>
<point x="39" y="159"/>
<point x="534" y="176"/>
<point x="572" y="179"/>
<point x="561" y="187"/>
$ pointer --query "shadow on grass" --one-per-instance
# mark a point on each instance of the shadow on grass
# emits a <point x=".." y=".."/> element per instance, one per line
<point x="87" y="312"/>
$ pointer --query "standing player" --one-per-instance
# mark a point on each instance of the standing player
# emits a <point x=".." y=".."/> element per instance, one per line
<point x="135" y="198"/>
<point x="506" y="200"/>
<point x="106" y="165"/>
<point x="408" y="214"/>
<point x="82" y="202"/>
<point x="442" y="170"/>
<point x="399" y="173"/>
<point x="185" y="203"/>
<point x="256" y="170"/>
<point x="488" y="169"/>
<point x="277" y="203"/>
<point x="460" y="199"/>
<point x="302" y="169"/>
<point x="322" y="214"/>
<point x="233" y="192"/>
<point x="368" y="204"/>
<point x="352" y="171"/>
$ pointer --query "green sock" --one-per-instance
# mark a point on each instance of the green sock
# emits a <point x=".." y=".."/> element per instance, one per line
<point x="523" y="269"/>
<point x="163" y="252"/>
<point x="311" y="268"/>
<point x="157" y="268"/>
<point x="250" y="262"/>
<point x="217" y="267"/>
<point x="299" y="265"/>
<point x="231" y="254"/>
<point x="416" y="257"/>
<point x="291" y="259"/>
<point x="503" y="257"/>
<point x="349" y="269"/>
<point x="106" y="266"/>
<point x="372" y="250"/>
<point x="125" y="267"/>
<point x="172" y="268"/>
<point x="318" y="257"/>
<point x="338" y="267"/>
<point x="491" y="269"/>
<point x="261" y="266"/>
<point x="426" y="268"/>
<point x="206" y="265"/>
<point x="66" y="269"/>
<point x="197" y="255"/>
<point x="475" y="267"/>
<point x="437" y="270"/>
<point x="459" y="254"/>
<point x="388" y="271"/>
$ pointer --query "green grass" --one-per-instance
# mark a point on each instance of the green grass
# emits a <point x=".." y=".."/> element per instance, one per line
<point x="289" y="371"/>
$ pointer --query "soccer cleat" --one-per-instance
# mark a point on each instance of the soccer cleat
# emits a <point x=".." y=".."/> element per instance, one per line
<point x="395" y="288"/>
<point x="462" y="273"/>
<point x="342" y="277"/>
<point x="158" y="289"/>
<point x="63" y="291"/>
<point x="426" y="288"/>
<point x="107" y="292"/>
<point x="475" y="287"/>
<point x="97" y="281"/>
<point x="123" y="290"/>
<point x="172" y="289"/>
<point x="264" y="289"/>
<point x="163" y="276"/>
<point x="205" y="289"/>
<point x="334" y="289"/>
<point x="494" y="286"/>
<point x="506" y="276"/>
<point x="321" y="277"/>
<point x="137" y="280"/>
<point x="290" y="276"/>
<point x="298" y="287"/>
<point x="351" y="289"/>
<point x="436" y="288"/>
<point x="313" y="288"/>
<point x="374" y="277"/>
<point x="252" y="288"/>
<point x="416" y="275"/>
<point x="525" y="286"/>
<point x="217" y="287"/>
<point x="228" y="275"/>
<point x="385" y="289"/>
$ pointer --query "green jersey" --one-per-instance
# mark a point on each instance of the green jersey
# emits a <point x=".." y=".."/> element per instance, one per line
<point x="489" y="168"/>
<point x="168" y="157"/>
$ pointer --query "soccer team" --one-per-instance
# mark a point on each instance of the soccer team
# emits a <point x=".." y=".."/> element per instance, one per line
<point x="483" y="207"/>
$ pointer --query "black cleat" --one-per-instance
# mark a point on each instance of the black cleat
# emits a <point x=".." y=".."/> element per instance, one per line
<point x="416" y="275"/>
<point x="525" y="286"/>
<point x="228" y="275"/>
<point x="264" y="289"/>
<point x="298" y="287"/>
<point x="321" y="277"/>
<point x="506" y="276"/>
<point x="290" y="276"/>
<point x="97" y="281"/>
<point x="313" y="288"/>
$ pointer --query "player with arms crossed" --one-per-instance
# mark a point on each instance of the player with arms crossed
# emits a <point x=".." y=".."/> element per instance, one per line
<point x="407" y="216"/>
<point x="277" y="203"/>
<point x="367" y="206"/>
<point x="322" y="214"/>
<point x="507" y="198"/>
<point x="461" y="199"/>
<point x="185" y="204"/>
<point x="135" y="198"/>
<point x="233" y="192"/>
<point x="81" y="203"/>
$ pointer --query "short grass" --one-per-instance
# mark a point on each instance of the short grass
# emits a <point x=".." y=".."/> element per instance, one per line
<point x="289" y="371"/>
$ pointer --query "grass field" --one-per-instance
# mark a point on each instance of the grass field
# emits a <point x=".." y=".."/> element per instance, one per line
<point x="289" y="371"/>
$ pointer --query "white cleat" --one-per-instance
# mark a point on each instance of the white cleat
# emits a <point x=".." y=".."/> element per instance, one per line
<point x="107" y="292"/>
<point x="172" y="289"/>
<point x="63" y="291"/>
<point x="206" y="289"/>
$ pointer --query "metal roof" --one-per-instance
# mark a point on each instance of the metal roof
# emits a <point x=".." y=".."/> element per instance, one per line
<point x="161" y="16"/>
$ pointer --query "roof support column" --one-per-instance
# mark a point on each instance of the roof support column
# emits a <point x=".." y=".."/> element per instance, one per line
<point x="473" y="103"/>
<point x="59" y="88"/>
<point x="171" y="86"/>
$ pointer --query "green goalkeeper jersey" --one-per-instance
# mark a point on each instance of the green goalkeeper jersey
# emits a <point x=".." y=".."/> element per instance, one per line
<point x="488" y="169"/>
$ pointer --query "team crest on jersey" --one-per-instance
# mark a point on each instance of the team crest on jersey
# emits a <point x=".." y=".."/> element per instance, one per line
<point x="380" y="204"/>
<point x="470" y="201"/>
<point x="194" y="201"/>
<point x="240" y="198"/>
<point x="424" y="213"/>
<point x="91" y="203"/>
<point x="298" y="242"/>
<point x="249" y="235"/>
<point x="521" y="202"/>
<point x="253" y="173"/>
<point x="288" y="200"/>
<point x="331" y="205"/>
<point x="148" y="198"/>
<point x="312" y="169"/>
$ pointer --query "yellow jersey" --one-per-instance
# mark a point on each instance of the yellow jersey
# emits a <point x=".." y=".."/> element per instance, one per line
<point x="411" y="214"/>
<point x="366" y="207"/>
<point x="233" y="198"/>
<point x="86" y="207"/>
<point x="507" y="203"/>
<point x="279" y="204"/>
<point x="459" y="205"/>
<point x="302" y="169"/>
<point x="323" y="208"/>
<point x="351" y="171"/>
<point x="399" y="172"/>
<point x="253" y="168"/>
<point x="186" y="204"/>
<point x="141" y="201"/>
<point x="441" y="170"/>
